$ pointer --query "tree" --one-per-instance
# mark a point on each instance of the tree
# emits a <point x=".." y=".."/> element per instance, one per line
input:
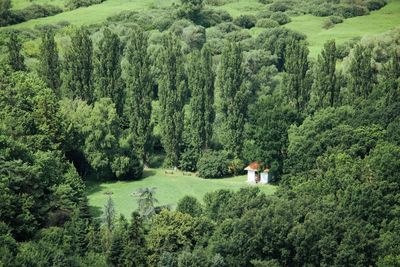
<point x="109" y="214"/>
<point x="201" y="86"/>
<point x="146" y="201"/>
<point x="5" y="13"/>
<point x="134" y="253"/>
<point x="78" y="67"/>
<point x="232" y="99"/>
<point x="189" y="205"/>
<point x="139" y="93"/>
<point x="362" y="76"/>
<point x="107" y="69"/>
<point x="325" y="85"/>
<point x="15" y="58"/>
<point x="296" y="82"/>
<point x="172" y="86"/>
<point x="191" y="9"/>
<point x="49" y="65"/>
<point x="392" y="78"/>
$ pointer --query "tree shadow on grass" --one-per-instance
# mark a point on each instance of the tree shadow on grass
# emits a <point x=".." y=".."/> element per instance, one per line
<point x="95" y="211"/>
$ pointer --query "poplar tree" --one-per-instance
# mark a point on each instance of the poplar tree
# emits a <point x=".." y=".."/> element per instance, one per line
<point x="139" y="93"/>
<point x="232" y="99"/>
<point x="78" y="66"/>
<point x="49" y="65"/>
<point x="15" y="58"/>
<point x="325" y="85"/>
<point x="296" y="82"/>
<point x="201" y="86"/>
<point x="172" y="85"/>
<point x="392" y="78"/>
<point x="107" y="70"/>
<point x="362" y="76"/>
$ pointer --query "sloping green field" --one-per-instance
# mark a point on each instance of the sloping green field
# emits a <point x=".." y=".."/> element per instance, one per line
<point x="169" y="189"/>
<point x="377" y="22"/>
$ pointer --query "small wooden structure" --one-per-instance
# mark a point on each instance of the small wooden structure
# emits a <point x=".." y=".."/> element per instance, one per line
<point x="255" y="175"/>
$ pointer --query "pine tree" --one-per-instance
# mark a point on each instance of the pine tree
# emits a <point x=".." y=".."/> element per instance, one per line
<point x="78" y="67"/>
<point x="172" y="85"/>
<point x="135" y="250"/>
<point x="201" y="86"/>
<point x="232" y="99"/>
<point x="109" y="214"/>
<point x="296" y="82"/>
<point x="49" y="65"/>
<point x="15" y="58"/>
<point x="139" y="93"/>
<point x="325" y="85"/>
<point x="362" y="76"/>
<point x="107" y="69"/>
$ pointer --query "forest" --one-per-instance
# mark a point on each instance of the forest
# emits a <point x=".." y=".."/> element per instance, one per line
<point x="190" y="87"/>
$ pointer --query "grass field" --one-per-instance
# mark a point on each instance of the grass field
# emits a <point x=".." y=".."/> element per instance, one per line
<point x="169" y="189"/>
<point x="377" y="22"/>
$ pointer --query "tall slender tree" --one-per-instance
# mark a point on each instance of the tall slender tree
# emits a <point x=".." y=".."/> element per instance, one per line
<point x="296" y="82"/>
<point x="109" y="214"/>
<point x="15" y="58"/>
<point x="78" y="66"/>
<point x="362" y="75"/>
<point x="201" y="86"/>
<point x="172" y="87"/>
<point x="325" y="85"/>
<point x="107" y="69"/>
<point x="139" y="93"/>
<point x="232" y="99"/>
<point x="49" y="65"/>
<point x="392" y="78"/>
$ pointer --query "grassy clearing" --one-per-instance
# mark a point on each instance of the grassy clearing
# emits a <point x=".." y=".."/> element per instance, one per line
<point x="95" y="13"/>
<point x="377" y="22"/>
<point x="169" y="189"/>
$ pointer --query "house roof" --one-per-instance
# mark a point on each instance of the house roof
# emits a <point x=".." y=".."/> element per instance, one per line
<point x="254" y="166"/>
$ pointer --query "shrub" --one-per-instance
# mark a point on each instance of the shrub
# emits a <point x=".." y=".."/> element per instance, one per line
<point x="210" y="17"/>
<point x="375" y="4"/>
<point x="327" y="24"/>
<point x="74" y="4"/>
<point x="162" y="23"/>
<point x="267" y="23"/>
<point x="349" y="11"/>
<point x="38" y="11"/>
<point x="238" y="36"/>
<point x="189" y="205"/>
<point x="265" y="2"/>
<point x="278" y="7"/>
<point x="213" y="164"/>
<point x="265" y="14"/>
<point x="336" y="19"/>
<point x="280" y="17"/>
<point x="127" y="168"/>
<point x="189" y="160"/>
<point x="245" y="21"/>
<point x="227" y="27"/>
<point x="323" y="10"/>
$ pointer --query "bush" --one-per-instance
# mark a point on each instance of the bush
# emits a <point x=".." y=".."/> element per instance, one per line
<point x="210" y="17"/>
<point x="38" y="11"/>
<point x="162" y="23"/>
<point x="375" y="4"/>
<point x="281" y="18"/>
<point x="189" y="160"/>
<point x="245" y="21"/>
<point x="74" y="4"/>
<point x="213" y="164"/>
<point x="127" y="168"/>
<point x="265" y="14"/>
<point x="349" y="11"/>
<point x="227" y="27"/>
<point x="267" y="23"/>
<point x="238" y="36"/>
<point x="189" y="205"/>
<point x="327" y="24"/>
<point x="323" y="10"/>
<point x="265" y="2"/>
<point x="336" y="19"/>
<point x="278" y="7"/>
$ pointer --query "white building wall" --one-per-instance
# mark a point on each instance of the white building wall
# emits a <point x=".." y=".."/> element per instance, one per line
<point x="251" y="176"/>
<point x="264" y="178"/>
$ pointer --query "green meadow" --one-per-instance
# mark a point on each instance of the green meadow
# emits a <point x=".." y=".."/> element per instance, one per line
<point x="169" y="189"/>
<point x="376" y="22"/>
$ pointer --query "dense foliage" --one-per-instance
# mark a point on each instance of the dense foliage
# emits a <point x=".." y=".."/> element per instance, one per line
<point x="192" y="84"/>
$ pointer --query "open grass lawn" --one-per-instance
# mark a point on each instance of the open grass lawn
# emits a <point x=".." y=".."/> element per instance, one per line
<point x="376" y="22"/>
<point x="170" y="188"/>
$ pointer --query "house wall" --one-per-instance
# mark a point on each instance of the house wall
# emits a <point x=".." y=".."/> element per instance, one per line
<point x="264" y="178"/>
<point x="251" y="176"/>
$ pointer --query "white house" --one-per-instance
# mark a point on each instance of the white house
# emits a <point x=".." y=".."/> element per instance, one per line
<point x="255" y="175"/>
